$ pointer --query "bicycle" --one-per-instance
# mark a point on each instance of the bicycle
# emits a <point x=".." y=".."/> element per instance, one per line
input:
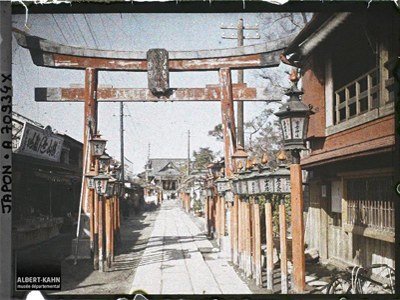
<point x="357" y="280"/>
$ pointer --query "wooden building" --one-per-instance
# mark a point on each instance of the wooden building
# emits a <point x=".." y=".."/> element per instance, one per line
<point x="166" y="174"/>
<point x="47" y="171"/>
<point x="347" y="63"/>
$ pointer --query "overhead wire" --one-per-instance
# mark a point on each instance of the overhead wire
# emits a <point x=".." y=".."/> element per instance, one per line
<point x="91" y="31"/>
<point x="59" y="28"/>
<point x="73" y="33"/>
<point x="80" y="30"/>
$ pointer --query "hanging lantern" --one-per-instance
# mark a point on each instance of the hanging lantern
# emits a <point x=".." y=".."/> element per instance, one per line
<point x="98" y="145"/>
<point x="293" y="117"/>
<point x="100" y="183"/>
<point x="104" y="163"/>
<point x="90" y="179"/>
<point x="111" y="185"/>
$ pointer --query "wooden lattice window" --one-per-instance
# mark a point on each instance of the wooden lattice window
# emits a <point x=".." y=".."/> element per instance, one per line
<point x="357" y="97"/>
<point x="370" y="202"/>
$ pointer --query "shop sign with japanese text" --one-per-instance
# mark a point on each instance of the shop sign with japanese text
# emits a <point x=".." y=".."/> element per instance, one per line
<point x="40" y="143"/>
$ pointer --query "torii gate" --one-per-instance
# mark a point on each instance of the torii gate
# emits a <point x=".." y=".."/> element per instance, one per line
<point x="158" y="63"/>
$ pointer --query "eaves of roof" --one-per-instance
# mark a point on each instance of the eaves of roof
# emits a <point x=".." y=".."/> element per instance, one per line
<point x="316" y="31"/>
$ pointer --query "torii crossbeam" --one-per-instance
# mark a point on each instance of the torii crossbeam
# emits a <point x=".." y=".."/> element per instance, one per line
<point x="46" y="53"/>
<point x="157" y="63"/>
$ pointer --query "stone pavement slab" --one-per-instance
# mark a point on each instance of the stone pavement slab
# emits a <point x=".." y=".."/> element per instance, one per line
<point x="173" y="264"/>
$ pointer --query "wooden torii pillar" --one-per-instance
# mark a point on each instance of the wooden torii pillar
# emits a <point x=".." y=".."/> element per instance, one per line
<point x="46" y="53"/>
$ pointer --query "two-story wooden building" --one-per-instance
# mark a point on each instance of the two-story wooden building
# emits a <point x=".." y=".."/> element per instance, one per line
<point x="347" y="63"/>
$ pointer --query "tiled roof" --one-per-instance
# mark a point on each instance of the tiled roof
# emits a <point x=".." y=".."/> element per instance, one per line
<point x="158" y="164"/>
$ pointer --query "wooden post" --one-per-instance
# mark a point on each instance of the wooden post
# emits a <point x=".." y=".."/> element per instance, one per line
<point x="228" y="118"/>
<point x="96" y="232"/>
<point x="118" y="220"/>
<point x="113" y="226"/>
<point x="91" y="219"/>
<point x="248" y="238"/>
<point x="257" y="250"/>
<point x="209" y="215"/>
<point x="90" y="115"/>
<point x="89" y="197"/>
<point x="217" y="217"/>
<point x="108" y="231"/>
<point x="213" y="216"/>
<point x="235" y="231"/>
<point x="206" y="214"/>
<point x="232" y="230"/>
<point x="239" y="233"/>
<point x="270" y="245"/>
<point x="283" y="246"/>
<point x="243" y="233"/>
<point x="101" y="234"/>
<point x="223" y="216"/>
<point x="253" y="238"/>
<point x="229" y="226"/>
<point x="115" y="221"/>
<point x="298" y="273"/>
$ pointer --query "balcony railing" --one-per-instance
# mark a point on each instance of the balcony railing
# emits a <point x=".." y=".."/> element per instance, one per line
<point x="357" y="97"/>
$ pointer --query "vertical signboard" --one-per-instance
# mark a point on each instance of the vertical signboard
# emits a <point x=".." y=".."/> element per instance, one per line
<point x="158" y="71"/>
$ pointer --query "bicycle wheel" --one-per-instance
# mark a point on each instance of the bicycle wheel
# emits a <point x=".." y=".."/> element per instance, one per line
<point x="339" y="286"/>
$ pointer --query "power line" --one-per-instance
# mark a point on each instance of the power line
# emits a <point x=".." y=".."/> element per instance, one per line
<point x="59" y="28"/>
<point x="70" y="29"/>
<point x="90" y="31"/>
<point x="80" y="30"/>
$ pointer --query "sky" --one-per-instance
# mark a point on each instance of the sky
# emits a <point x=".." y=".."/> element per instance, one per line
<point x="162" y="125"/>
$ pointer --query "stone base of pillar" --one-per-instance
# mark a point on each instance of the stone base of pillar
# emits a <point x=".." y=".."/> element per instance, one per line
<point x="225" y="247"/>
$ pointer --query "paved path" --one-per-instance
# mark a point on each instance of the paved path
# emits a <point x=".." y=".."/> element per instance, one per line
<point x="172" y="262"/>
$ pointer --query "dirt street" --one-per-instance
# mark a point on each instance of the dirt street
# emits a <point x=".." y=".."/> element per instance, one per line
<point x="81" y="279"/>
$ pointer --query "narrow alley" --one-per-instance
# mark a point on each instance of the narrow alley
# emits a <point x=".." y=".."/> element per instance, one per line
<point x="160" y="253"/>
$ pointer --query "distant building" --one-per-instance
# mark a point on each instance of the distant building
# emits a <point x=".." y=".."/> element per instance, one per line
<point x="166" y="174"/>
<point x="347" y="62"/>
<point x="47" y="177"/>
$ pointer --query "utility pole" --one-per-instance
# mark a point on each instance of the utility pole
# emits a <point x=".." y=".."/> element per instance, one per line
<point x="147" y="163"/>
<point x="240" y="79"/>
<point x="188" y="157"/>
<point x="122" y="145"/>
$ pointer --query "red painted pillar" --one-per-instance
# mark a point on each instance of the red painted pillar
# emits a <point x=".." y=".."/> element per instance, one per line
<point x="297" y="203"/>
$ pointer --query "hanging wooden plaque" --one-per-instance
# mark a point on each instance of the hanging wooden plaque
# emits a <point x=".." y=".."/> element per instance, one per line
<point x="157" y="71"/>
